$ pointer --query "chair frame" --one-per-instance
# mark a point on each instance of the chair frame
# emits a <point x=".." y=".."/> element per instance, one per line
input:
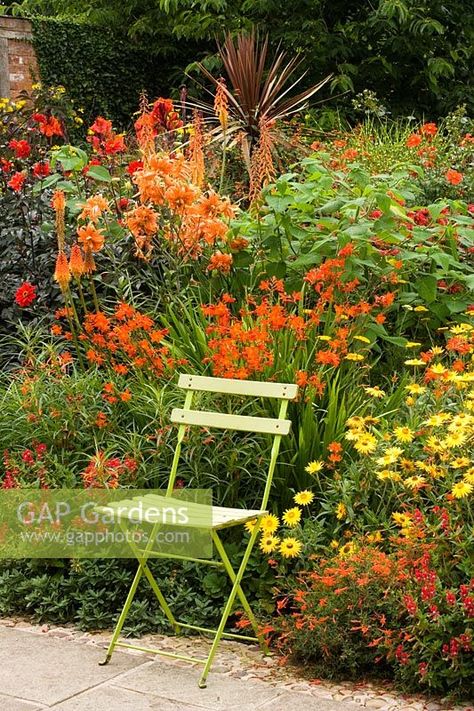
<point x="187" y="417"/>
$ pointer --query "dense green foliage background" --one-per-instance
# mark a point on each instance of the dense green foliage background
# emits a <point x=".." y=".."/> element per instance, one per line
<point x="415" y="54"/>
<point x="102" y="69"/>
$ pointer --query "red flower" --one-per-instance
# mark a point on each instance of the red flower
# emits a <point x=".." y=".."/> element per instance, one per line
<point x="413" y="140"/>
<point x="453" y="176"/>
<point x="51" y="127"/>
<point x="5" y="165"/>
<point x="22" y="148"/>
<point x="41" y="169"/>
<point x="429" y="129"/>
<point x="133" y="166"/>
<point x="16" y="181"/>
<point x="25" y="294"/>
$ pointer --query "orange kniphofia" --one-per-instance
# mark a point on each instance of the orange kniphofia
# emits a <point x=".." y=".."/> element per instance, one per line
<point x="61" y="273"/>
<point x="76" y="262"/>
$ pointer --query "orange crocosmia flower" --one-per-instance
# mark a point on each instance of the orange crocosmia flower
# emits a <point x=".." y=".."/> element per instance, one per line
<point x="142" y="220"/>
<point x="220" y="262"/>
<point x="94" y="207"/>
<point x="453" y="176"/>
<point x="413" y="140"/>
<point x="328" y="358"/>
<point x="90" y="237"/>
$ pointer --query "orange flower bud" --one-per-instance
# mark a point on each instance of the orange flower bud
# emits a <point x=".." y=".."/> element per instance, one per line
<point x="76" y="262"/>
<point x="61" y="273"/>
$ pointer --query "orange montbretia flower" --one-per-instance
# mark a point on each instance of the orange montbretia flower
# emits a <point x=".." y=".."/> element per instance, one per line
<point x="220" y="262"/>
<point x="91" y="237"/>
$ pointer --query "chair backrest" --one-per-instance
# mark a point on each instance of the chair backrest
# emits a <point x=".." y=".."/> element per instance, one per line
<point x="275" y="426"/>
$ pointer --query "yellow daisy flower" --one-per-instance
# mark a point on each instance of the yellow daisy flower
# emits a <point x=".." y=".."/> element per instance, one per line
<point x="461" y="489"/>
<point x="375" y="392"/>
<point x="366" y="443"/>
<point x="303" y="498"/>
<point x="270" y="523"/>
<point x="404" y="434"/>
<point x="292" y="517"/>
<point x="314" y="467"/>
<point x="250" y="525"/>
<point x="341" y="511"/>
<point x="290" y="547"/>
<point x="268" y="543"/>
<point x="415" y="482"/>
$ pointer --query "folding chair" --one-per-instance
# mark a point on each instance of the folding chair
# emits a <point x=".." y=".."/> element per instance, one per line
<point x="219" y="517"/>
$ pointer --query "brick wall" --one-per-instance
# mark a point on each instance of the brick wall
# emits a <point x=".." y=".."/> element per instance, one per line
<point x="18" y="65"/>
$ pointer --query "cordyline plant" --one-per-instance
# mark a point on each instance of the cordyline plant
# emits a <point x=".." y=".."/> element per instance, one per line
<point x="257" y="99"/>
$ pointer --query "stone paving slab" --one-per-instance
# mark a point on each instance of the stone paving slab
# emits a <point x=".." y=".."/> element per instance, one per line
<point x="11" y="704"/>
<point x="46" y="671"/>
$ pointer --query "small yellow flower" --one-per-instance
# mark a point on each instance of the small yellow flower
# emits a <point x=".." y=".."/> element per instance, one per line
<point x="415" y="482"/>
<point x="415" y="361"/>
<point x="250" y="525"/>
<point x="460" y="462"/>
<point x="404" y="434"/>
<point x="270" y="523"/>
<point x="437" y="420"/>
<point x="415" y="389"/>
<point x="268" y="543"/>
<point x="290" y="547"/>
<point x="347" y="550"/>
<point x="354" y="356"/>
<point x="461" y="489"/>
<point x="375" y="392"/>
<point x="292" y="517"/>
<point x="334" y="544"/>
<point x="412" y="344"/>
<point x="341" y="511"/>
<point x="366" y="443"/>
<point x="303" y="498"/>
<point x="402" y="519"/>
<point x="314" y="467"/>
<point x="455" y="439"/>
<point x="409" y="401"/>
<point x="420" y="308"/>
<point x="374" y="537"/>
<point x="438" y="369"/>
<point x="324" y="338"/>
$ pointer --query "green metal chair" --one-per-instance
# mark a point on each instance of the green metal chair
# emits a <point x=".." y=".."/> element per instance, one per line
<point x="218" y="517"/>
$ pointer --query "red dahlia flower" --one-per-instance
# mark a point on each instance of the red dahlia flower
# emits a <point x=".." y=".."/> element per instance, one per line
<point x="25" y="294"/>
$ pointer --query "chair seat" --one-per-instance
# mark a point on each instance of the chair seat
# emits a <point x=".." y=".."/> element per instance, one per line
<point x="138" y="509"/>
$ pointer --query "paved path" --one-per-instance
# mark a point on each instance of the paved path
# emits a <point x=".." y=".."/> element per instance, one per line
<point x="57" y="668"/>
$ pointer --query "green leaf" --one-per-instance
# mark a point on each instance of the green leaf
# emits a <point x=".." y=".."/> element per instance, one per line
<point x="427" y="288"/>
<point x="98" y="172"/>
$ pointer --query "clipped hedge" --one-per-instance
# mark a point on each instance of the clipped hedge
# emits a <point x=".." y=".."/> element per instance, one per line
<point x="102" y="70"/>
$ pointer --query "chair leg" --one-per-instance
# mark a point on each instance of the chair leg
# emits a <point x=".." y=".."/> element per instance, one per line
<point x="161" y="599"/>
<point x="123" y="615"/>
<point x="245" y="604"/>
<point x="228" y="607"/>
